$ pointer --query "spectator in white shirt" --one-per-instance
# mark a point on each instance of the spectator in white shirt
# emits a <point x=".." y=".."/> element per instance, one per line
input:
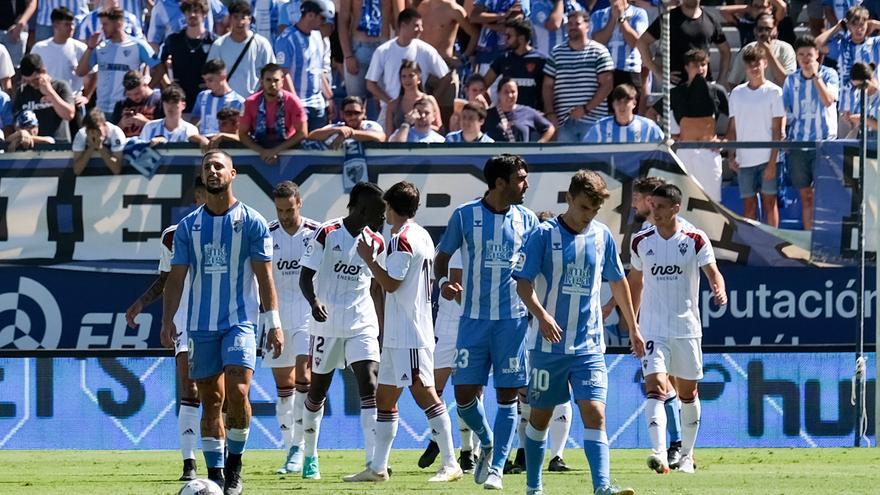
<point x="101" y="137"/>
<point x="61" y="53"/>
<point x="383" y="80"/>
<point x="244" y="77"/>
<point x="171" y="129"/>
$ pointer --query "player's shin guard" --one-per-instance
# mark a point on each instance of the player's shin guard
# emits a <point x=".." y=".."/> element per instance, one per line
<point x="312" y="414"/>
<point x="655" y="416"/>
<point x="213" y="450"/>
<point x="474" y="417"/>
<point x="368" y="425"/>
<point x="560" y="426"/>
<point x="690" y="424"/>
<point x="465" y="434"/>
<point x="598" y="456"/>
<point x="441" y="429"/>
<point x="505" y="429"/>
<point x="673" y="417"/>
<point x="284" y="415"/>
<point x="188" y="427"/>
<point x="386" y="430"/>
<point x="299" y="401"/>
<point x="525" y="412"/>
<point x="236" y="440"/>
<point x="535" y="443"/>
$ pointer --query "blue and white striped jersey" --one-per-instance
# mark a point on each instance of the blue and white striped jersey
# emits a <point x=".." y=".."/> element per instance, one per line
<point x="113" y="61"/>
<point x="306" y="56"/>
<point x="156" y="128"/>
<point x="491" y="42"/>
<point x="207" y="105"/>
<point x="639" y="130"/>
<point x="567" y="268"/>
<point x="219" y="249"/>
<point x="167" y="18"/>
<point x="45" y="8"/>
<point x="543" y="39"/>
<point x="490" y="242"/>
<point x="458" y="137"/>
<point x="867" y="52"/>
<point x="91" y="23"/>
<point x="841" y="6"/>
<point x="265" y="16"/>
<point x="626" y="58"/>
<point x="808" y="119"/>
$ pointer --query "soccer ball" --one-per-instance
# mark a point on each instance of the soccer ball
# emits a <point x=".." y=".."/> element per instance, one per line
<point x="200" y="487"/>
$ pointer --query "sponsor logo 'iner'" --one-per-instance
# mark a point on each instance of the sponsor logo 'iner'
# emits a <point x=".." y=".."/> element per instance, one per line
<point x="346" y="269"/>
<point x="666" y="270"/>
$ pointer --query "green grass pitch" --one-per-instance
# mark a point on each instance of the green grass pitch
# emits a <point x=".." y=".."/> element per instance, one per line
<point x="721" y="471"/>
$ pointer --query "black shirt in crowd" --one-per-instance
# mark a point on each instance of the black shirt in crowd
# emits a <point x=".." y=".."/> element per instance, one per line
<point x="528" y="73"/>
<point x="187" y="58"/>
<point x="686" y="34"/>
<point x="29" y="98"/>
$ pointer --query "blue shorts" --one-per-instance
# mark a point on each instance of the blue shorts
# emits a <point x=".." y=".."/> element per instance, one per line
<point x="496" y="344"/>
<point x="801" y="165"/>
<point x="751" y="182"/>
<point x="556" y="377"/>
<point x="211" y="352"/>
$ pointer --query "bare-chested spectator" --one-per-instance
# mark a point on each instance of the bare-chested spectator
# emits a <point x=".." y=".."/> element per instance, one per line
<point x="363" y="25"/>
<point x="446" y="17"/>
<point x="492" y="15"/>
<point x="411" y="90"/>
<point x="383" y="80"/>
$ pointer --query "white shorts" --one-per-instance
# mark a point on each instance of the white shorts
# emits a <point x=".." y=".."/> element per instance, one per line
<point x="399" y="367"/>
<point x="679" y="357"/>
<point x="182" y="344"/>
<point x="296" y="343"/>
<point x="444" y="351"/>
<point x="330" y="353"/>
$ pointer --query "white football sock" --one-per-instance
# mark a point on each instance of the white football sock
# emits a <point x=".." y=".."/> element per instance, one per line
<point x="368" y="426"/>
<point x="655" y="415"/>
<point x="284" y="415"/>
<point x="560" y="426"/>
<point x="525" y="413"/>
<point x="690" y="424"/>
<point x="441" y="429"/>
<point x="188" y="427"/>
<point x="312" y="426"/>
<point x="465" y="435"/>
<point x="299" y="400"/>
<point x="386" y="430"/>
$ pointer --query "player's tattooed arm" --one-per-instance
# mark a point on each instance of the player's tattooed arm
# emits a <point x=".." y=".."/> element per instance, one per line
<point x="151" y="295"/>
<point x="307" y="286"/>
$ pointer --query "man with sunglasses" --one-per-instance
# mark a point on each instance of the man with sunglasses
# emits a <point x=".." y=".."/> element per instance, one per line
<point x="354" y="125"/>
<point x="781" y="60"/>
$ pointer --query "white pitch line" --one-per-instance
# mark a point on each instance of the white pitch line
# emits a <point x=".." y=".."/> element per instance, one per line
<point x="27" y="404"/>
<point x="626" y="423"/>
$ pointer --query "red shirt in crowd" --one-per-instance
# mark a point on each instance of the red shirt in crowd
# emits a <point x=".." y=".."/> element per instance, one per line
<point x="294" y="114"/>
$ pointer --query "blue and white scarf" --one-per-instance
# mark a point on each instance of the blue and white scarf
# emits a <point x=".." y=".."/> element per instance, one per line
<point x="371" y="18"/>
<point x="260" y="128"/>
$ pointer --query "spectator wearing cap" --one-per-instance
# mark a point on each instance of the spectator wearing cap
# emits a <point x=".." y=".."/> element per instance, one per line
<point x="218" y="96"/>
<point x="61" y="53"/>
<point x="171" y="128"/>
<point x="274" y="119"/>
<point x="167" y="17"/>
<point x="304" y="55"/>
<point x="51" y="101"/>
<point x="354" y="125"/>
<point x="44" y="14"/>
<point x="473" y="116"/>
<point x="141" y="105"/>
<point x="244" y="52"/>
<point x="91" y="23"/>
<point x="14" y="18"/>
<point x="521" y="62"/>
<point x="510" y="122"/>
<point x="27" y="133"/>
<point x="101" y="137"/>
<point x="115" y="55"/>
<point x="187" y="51"/>
<point x="383" y="80"/>
<point x="416" y="127"/>
<point x="578" y="77"/>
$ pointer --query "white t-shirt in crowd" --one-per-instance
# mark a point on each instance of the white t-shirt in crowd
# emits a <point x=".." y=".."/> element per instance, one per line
<point x="61" y="60"/>
<point x="385" y="64"/>
<point x="156" y="128"/>
<point x="246" y="78"/>
<point x="114" y="140"/>
<point x="6" y="67"/>
<point x="753" y="111"/>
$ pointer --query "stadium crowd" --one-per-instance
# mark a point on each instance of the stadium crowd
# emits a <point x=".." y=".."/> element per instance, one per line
<point x="279" y="74"/>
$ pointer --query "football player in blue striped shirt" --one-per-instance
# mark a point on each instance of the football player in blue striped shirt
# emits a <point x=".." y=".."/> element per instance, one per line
<point x="624" y="126"/>
<point x="490" y="232"/>
<point x="225" y="249"/>
<point x="567" y="258"/>
<point x="809" y="96"/>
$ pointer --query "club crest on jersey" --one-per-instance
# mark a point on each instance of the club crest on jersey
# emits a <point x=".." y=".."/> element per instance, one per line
<point x="237" y="224"/>
<point x="682" y="247"/>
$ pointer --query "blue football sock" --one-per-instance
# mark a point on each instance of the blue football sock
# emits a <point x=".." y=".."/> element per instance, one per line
<point x="673" y="418"/>
<point x="474" y="416"/>
<point x="505" y="431"/>
<point x="536" y="442"/>
<point x="213" y="450"/>
<point x="598" y="456"/>
<point x="236" y="438"/>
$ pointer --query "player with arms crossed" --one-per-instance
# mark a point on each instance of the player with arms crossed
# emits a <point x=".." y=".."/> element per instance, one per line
<point x="188" y="415"/>
<point x="290" y="233"/>
<point x="567" y="258"/>
<point x="345" y="322"/>
<point x="225" y="249"/>
<point x="408" y="333"/>
<point x="666" y="260"/>
<point x="491" y="334"/>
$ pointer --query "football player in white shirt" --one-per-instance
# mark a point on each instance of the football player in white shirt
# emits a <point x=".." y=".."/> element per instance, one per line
<point x="345" y="326"/>
<point x="666" y="261"/>
<point x="290" y="233"/>
<point x="408" y="334"/>
<point x="188" y="416"/>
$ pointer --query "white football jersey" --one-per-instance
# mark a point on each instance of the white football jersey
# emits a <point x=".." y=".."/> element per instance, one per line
<point x="286" y="254"/>
<point x="446" y="309"/>
<point x="671" y="271"/>
<point x="408" y="319"/>
<point x="342" y="280"/>
<point x="165" y="255"/>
